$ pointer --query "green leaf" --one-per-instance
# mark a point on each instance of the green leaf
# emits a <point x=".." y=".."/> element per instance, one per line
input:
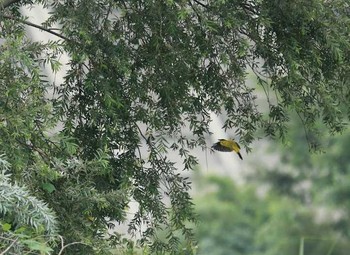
<point x="49" y="187"/>
<point x="37" y="246"/>
<point x="6" y="227"/>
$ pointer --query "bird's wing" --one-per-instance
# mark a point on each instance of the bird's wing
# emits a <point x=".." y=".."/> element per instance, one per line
<point x="220" y="147"/>
<point x="230" y="143"/>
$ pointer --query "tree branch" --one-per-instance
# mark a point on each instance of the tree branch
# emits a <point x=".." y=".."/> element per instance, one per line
<point x="196" y="12"/>
<point x="44" y="156"/>
<point x="37" y="26"/>
<point x="7" y="3"/>
<point x="63" y="246"/>
<point x="9" y="247"/>
<point x="201" y="4"/>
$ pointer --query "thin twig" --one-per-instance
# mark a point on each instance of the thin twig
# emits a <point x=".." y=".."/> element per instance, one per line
<point x="196" y="12"/>
<point x="6" y="238"/>
<point x="70" y="244"/>
<point x="104" y="22"/>
<point x="151" y="147"/>
<point x="305" y="129"/>
<point x="201" y="4"/>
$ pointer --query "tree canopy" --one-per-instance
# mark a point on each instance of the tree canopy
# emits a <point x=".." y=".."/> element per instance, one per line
<point x="139" y="74"/>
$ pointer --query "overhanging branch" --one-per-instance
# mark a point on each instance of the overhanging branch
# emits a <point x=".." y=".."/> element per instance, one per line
<point x="37" y="26"/>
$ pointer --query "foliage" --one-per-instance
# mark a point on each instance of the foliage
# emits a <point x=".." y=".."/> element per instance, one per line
<point x="139" y="74"/>
<point x="29" y="210"/>
<point x="27" y="224"/>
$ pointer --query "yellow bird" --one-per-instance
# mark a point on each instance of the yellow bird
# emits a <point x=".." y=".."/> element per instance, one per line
<point x="227" y="146"/>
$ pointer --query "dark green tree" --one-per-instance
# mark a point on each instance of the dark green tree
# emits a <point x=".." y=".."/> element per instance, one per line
<point x="318" y="181"/>
<point x="236" y="219"/>
<point x="140" y="72"/>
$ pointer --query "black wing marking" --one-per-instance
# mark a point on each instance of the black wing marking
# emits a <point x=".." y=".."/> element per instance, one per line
<point x="219" y="147"/>
<point x="239" y="147"/>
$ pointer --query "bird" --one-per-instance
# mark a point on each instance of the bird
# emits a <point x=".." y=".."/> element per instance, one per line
<point x="227" y="145"/>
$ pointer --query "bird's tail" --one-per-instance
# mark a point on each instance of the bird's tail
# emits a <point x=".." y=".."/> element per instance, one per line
<point x="240" y="156"/>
